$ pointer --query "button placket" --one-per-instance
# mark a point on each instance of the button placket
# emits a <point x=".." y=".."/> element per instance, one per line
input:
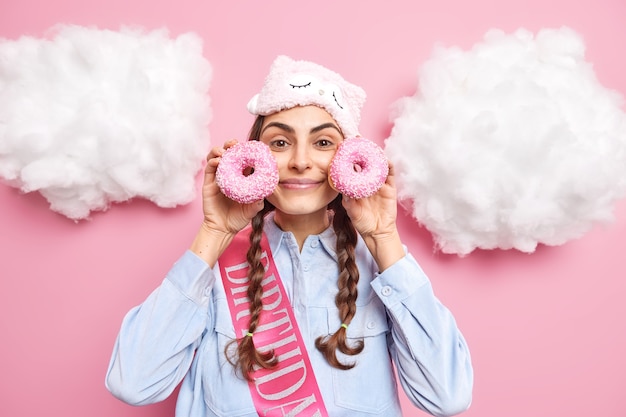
<point x="299" y="293"/>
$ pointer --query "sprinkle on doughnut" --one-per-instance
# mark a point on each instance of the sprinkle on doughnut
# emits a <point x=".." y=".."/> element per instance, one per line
<point x="359" y="168"/>
<point x="232" y="172"/>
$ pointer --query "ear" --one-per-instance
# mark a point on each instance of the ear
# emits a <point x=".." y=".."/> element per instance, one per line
<point x="252" y="104"/>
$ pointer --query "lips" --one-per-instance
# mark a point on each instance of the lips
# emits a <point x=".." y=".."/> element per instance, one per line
<point x="299" y="183"/>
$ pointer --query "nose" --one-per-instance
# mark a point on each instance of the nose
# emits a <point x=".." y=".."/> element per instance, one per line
<point x="300" y="158"/>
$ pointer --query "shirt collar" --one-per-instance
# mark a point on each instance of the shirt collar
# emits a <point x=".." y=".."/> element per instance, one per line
<point x="275" y="236"/>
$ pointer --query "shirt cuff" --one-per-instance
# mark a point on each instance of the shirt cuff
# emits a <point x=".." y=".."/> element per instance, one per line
<point x="192" y="277"/>
<point x="399" y="281"/>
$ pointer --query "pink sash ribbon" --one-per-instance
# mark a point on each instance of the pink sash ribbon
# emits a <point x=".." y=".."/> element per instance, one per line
<point x="289" y="389"/>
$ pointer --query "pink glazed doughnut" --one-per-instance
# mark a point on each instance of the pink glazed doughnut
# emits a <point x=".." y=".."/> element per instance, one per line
<point x="359" y="168"/>
<point x="231" y="172"/>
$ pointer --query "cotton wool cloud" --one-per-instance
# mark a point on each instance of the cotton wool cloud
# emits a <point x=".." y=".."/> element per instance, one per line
<point x="510" y="144"/>
<point x="92" y="117"/>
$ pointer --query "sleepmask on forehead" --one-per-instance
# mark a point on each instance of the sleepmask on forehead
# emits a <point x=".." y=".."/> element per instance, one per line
<point x="292" y="83"/>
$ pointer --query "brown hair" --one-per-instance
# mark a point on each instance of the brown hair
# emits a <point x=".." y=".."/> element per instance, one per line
<point x="246" y="357"/>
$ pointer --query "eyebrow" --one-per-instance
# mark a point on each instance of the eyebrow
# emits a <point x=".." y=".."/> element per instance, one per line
<point x="279" y="125"/>
<point x="290" y="129"/>
<point x="325" y="126"/>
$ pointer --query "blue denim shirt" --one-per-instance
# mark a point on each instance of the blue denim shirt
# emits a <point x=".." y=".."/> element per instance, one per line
<point x="180" y="332"/>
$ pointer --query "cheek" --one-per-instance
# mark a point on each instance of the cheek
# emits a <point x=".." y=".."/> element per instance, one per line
<point x="282" y="160"/>
<point x="324" y="159"/>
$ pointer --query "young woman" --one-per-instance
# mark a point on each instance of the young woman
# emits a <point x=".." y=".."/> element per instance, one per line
<point x="357" y="302"/>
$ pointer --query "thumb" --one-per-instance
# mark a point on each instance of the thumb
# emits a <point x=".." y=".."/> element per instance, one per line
<point x="250" y="210"/>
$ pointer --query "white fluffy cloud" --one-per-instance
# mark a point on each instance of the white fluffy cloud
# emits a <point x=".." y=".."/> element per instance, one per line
<point x="90" y="117"/>
<point x="510" y="144"/>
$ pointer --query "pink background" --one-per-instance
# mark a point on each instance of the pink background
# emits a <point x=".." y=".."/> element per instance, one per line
<point x="546" y="330"/>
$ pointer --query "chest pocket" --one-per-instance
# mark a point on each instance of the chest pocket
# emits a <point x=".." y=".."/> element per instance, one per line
<point x="370" y="386"/>
<point x="225" y="393"/>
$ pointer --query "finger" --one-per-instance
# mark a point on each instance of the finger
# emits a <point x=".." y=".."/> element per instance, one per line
<point x="211" y="165"/>
<point x="391" y="179"/>
<point x="349" y="204"/>
<point x="214" y="156"/>
<point x="219" y="150"/>
<point x="254" y="207"/>
<point x="230" y="143"/>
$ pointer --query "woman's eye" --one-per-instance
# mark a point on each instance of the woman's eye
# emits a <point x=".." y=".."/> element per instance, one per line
<point x="324" y="143"/>
<point x="278" y="143"/>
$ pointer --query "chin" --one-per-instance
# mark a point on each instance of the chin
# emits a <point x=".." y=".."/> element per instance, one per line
<point x="299" y="209"/>
<point x="301" y="206"/>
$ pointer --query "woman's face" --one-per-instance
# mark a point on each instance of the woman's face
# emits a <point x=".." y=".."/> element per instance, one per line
<point x="304" y="141"/>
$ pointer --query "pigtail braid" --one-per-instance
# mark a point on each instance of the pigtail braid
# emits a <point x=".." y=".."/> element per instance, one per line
<point x="247" y="358"/>
<point x="347" y="293"/>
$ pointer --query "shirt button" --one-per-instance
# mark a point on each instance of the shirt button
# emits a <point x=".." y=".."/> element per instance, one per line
<point x="315" y="243"/>
<point x="371" y="325"/>
<point x="386" y="291"/>
<point x="305" y="267"/>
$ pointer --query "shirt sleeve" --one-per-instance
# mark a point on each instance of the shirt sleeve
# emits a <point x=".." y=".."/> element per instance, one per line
<point x="429" y="351"/>
<point x="157" y="340"/>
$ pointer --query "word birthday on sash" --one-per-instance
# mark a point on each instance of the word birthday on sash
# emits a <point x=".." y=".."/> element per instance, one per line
<point x="289" y="389"/>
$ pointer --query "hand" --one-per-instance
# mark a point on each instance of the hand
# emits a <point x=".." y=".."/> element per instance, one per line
<point x="375" y="215"/>
<point x="221" y="213"/>
<point x="374" y="218"/>
<point x="223" y="218"/>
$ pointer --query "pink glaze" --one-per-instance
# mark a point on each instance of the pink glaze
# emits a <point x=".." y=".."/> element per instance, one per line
<point x="359" y="168"/>
<point x="233" y="181"/>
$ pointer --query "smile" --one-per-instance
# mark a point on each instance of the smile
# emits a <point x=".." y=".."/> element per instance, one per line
<point x="299" y="184"/>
